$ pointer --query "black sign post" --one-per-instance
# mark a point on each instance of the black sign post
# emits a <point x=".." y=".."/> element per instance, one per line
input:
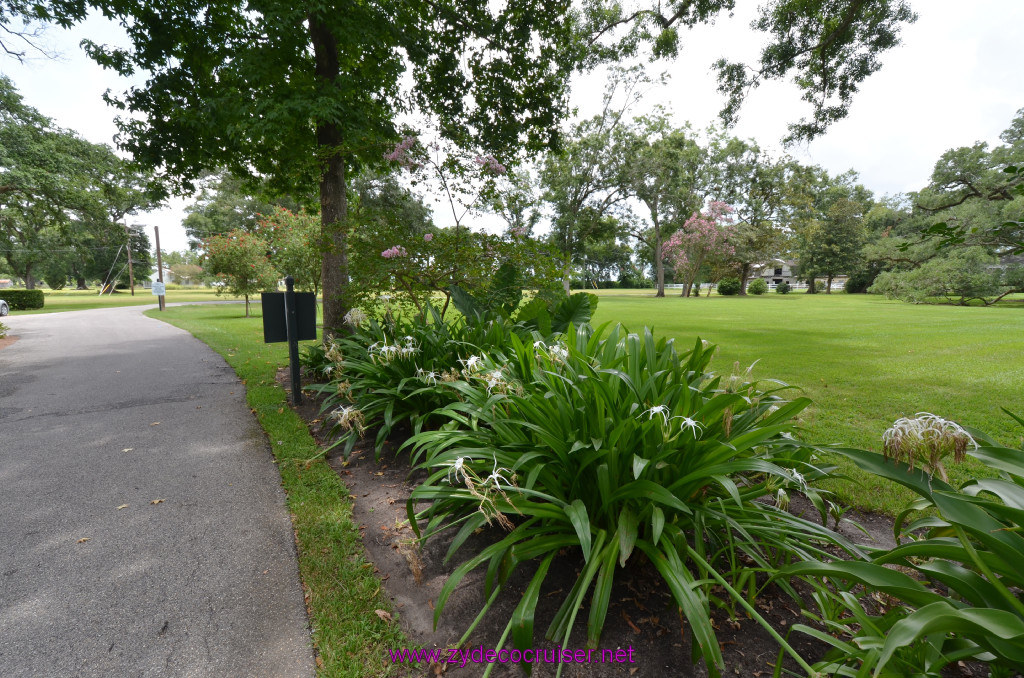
<point x="290" y="317"/>
<point x="292" y="328"/>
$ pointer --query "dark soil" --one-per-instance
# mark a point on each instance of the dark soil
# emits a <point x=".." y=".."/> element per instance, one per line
<point x="642" y="618"/>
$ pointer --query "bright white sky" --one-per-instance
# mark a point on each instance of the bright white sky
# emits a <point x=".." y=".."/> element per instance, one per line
<point x="955" y="79"/>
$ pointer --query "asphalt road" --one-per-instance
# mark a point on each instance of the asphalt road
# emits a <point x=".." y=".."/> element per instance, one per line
<point x="143" y="529"/>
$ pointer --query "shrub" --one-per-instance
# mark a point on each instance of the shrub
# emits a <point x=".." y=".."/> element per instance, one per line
<point x="757" y="286"/>
<point x="616" y="449"/>
<point x="729" y="286"/>
<point x="819" y="286"/>
<point x="860" y="280"/>
<point x="963" y="275"/>
<point x="964" y="548"/>
<point x="4" y="329"/>
<point x="783" y="288"/>
<point x="23" y="300"/>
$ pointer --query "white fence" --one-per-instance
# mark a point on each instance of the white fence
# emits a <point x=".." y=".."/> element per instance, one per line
<point x="837" y="285"/>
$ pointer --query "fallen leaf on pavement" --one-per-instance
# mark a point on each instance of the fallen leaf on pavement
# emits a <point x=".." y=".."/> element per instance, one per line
<point x="157" y="501"/>
<point x="84" y="539"/>
<point x="122" y="506"/>
<point x="128" y="449"/>
<point x="155" y="423"/>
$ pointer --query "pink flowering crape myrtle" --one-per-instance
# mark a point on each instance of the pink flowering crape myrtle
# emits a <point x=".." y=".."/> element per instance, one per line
<point x="703" y="238"/>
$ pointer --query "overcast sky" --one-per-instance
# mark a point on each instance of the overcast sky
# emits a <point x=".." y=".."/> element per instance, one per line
<point x="955" y="79"/>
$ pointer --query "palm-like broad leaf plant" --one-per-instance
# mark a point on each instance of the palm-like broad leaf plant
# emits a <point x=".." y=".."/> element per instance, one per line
<point x="618" y="449"/>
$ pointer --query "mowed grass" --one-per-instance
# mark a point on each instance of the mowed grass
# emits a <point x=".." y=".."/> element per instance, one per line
<point x="80" y="300"/>
<point x="342" y="591"/>
<point x="864" y="360"/>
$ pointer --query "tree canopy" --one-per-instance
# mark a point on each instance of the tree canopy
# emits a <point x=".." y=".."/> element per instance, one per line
<point x="305" y="95"/>
<point x="63" y="199"/>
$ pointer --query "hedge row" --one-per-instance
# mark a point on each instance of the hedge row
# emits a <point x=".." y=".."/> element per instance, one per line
<point x="22" y="300"/>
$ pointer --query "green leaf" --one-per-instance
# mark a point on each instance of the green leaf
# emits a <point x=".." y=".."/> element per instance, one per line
<point x="629" y="524"/>
<point x="996" y="630"/>
<point x="574" y="310"/>
<point x="657" y="524"/>
<point x="522" y="617"/>
<point x="535" y="315"/>
<point x="639" y="463"/>
<point x="577" y="513"/>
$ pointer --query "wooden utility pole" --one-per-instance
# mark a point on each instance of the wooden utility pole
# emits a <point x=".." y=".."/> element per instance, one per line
<point x="159" y="264"/>
<point x="131" y="270"/>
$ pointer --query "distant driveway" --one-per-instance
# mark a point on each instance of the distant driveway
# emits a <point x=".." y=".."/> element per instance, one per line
<point x="143" y="529"/>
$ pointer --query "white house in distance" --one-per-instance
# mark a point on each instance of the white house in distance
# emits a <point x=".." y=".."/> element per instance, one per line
<point x="775" y="272"/>
<point x="168" y="278"/>
<point x="778" y="271"/>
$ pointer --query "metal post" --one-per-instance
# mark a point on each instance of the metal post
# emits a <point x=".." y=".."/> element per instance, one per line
<point x="292" y="330"/>
<point x="131" y="271"/>
<point x="159" y="264"/>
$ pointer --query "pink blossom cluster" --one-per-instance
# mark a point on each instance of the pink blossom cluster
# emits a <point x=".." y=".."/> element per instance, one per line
<point x="400" y="154"/>
<point x="427" y="237"/>
<point x="396" y="251"/>
<point x="520" y="232"/>
<point x="490" y="165"/>
<point x="703" y="236"/>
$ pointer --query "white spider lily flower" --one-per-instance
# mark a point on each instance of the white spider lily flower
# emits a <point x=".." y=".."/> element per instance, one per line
<point x="658" y="410"/>
<point x="497" y="474"/>
<point x="457" y="467"/>
<point x="355" y="317"/>
<point x="927" y="436"/>
<point x="496" y="380"/>
<point x="428" y="377"/>
<point x="558" y="353"/>
<point x="694" y="426"/>
<point x="472" y="363"/>
<point x="350" y="417"/>
<point x="540" y="346"/>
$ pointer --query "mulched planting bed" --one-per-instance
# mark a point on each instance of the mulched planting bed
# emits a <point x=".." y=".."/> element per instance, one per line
<point x="642" y="617"/>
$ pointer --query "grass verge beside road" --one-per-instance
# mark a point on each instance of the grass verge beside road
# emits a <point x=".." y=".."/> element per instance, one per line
<point x="81" y="300"/>
<point x="341" y="589"/>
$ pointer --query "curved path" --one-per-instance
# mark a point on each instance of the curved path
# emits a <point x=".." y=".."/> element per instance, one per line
<point x="143" y="529"/>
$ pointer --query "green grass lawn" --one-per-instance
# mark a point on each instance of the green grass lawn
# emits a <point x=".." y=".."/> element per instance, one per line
<point x="342" y="589"/>
<point x="80" y="300"/>
<point x="865" y="361"/>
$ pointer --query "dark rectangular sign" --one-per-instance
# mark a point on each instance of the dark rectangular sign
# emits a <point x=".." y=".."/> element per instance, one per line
<point x="274" y="327"/>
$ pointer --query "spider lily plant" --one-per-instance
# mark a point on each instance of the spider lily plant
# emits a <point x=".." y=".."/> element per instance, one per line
<point x="966" y="543"/>
<point x="619" y="449"/>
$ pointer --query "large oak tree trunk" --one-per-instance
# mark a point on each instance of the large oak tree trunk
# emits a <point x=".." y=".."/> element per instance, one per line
<point x="744" y="274"/>
<point x="333" y="198"/>
<point x="828" y="287"/>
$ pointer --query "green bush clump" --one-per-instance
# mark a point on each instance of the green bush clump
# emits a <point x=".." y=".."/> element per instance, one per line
<point x="729" y="286"/>
<point x="4" y="329"/>
<point x="783" y="288"/>
<point x="392" y="371"/>
<point x="613" y="449"/>
<point x="757" y="286"/>
<point x="23" y="300"/>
